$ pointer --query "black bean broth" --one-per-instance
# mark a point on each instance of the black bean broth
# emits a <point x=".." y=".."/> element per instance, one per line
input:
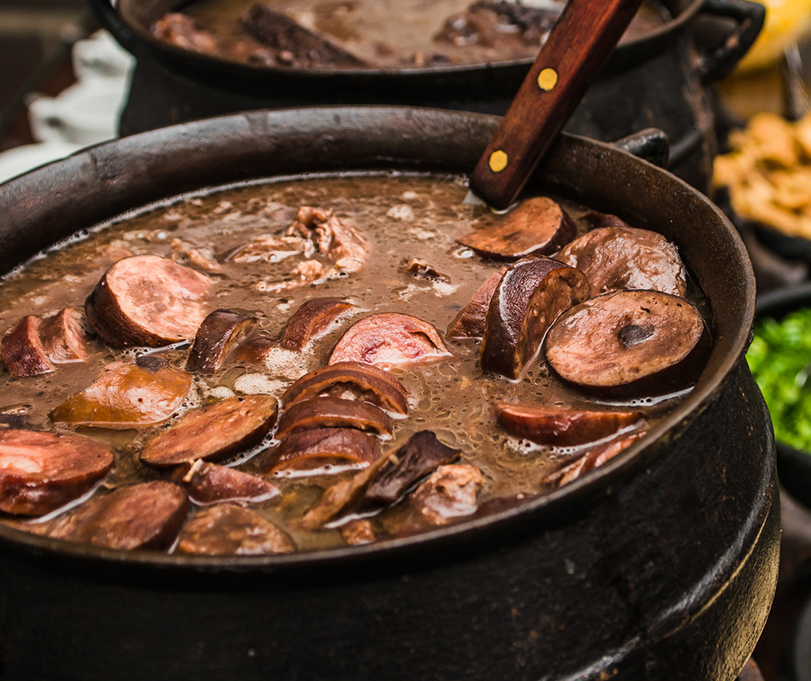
<point x="402" y="34"/>
<point x="403" y="218"/>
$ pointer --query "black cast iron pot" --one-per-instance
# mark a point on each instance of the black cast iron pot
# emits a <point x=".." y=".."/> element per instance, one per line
<point x="656" y="80"/>
<point x="661" y="564"/>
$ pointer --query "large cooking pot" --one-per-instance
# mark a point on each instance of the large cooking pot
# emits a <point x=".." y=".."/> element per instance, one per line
<point x="661" y="564"/>
<point x="656" y="80"/>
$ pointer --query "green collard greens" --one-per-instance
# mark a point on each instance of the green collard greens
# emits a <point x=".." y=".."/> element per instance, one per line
<point x="780" y="359"/>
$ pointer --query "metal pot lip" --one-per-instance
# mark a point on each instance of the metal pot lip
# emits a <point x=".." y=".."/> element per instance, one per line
<point x="539" y="513"/>
<point x="162" y="48"/>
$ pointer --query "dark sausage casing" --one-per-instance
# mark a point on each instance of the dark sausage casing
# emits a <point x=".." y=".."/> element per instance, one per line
<point x="529" y="297"/>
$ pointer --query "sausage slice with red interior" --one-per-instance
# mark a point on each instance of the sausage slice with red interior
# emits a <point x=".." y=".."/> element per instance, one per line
<point x="620" y="258"/>
<point x="323" y="450"/>
<point x="148" y="301"/>
<point x="218" y="334"/>
<point x="65" y="336"/>
<point x="470" y="323"/>
<point x="529" y="297"/>
<point x="127" y="396"/>
<point x="209" y="483"/>
<point x="559" y="427"/>
<point x="389" y="339"/>
<point x="334" y="412"/>
<point x="22" y="349"/>
<point x="537" y="226"/>
<point x="213" y="432"/>
<point x="629" y="343"/>
<point x="142" y="516"/>
<point x="39" y="472"/>
<point x="33" y="345"/>
<point x="312" y="320"/>
<point x="367" y="382"/>
<point x="228" y="529"/>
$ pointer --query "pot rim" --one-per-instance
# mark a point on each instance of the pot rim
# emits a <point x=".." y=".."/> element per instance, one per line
<point x="532" y="514"/>
<point x="631" y="46"/>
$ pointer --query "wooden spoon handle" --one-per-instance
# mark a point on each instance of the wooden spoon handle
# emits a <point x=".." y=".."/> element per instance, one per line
<point x="580" y="42"/>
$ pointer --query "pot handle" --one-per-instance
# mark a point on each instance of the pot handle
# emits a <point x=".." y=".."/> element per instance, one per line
<point x="650" y="144"/>
<point x="111" y="20"/>
<point x="722" y="60"/>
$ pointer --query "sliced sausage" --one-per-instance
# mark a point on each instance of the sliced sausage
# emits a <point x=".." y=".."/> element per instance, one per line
<point x="34" y="345"/>
<point x="22" y="349"/>
<point x="620" y="258"/>
<point x="209" y="483"/>
<point x="341" y="498"/>
<point x="368" y="382"/>
<point x="65" y="337"/>
<point x="418" y="457"/>
<point x="334" y="412"/>
<point x="470" y="323"/>
<point x="529" y="297"/>
<point x="218" y="334"/>
<point x="213" y="432"/>
<point x="40" y="472"/>
<point x="592" y="459"/>
<point x="148" y="301"/>
<point x="536" y="226"/>
<point x="558" y="427"/>
<point x="254" y="350"/>
<point x="228" y="529"/>
<point x="451" y="492"/>
<point x="389" y="339"/>
<point x="629" y="343"/>
<point x="311" y="321"/>
<point x="143" y="516"/>
<point x="324" y="450"/>
<point x="127" y="396"/>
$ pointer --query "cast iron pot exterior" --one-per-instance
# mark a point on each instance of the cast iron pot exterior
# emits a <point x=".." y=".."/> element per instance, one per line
<point x="657" y="80"/>
<point x="659" y="565"/>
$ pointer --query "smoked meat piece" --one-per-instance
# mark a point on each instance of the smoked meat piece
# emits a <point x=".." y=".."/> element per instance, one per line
<point x="537" y="226"/>
<point x="143" y="516"/>
<point x="213" y="432"/>
<point x="325" y="449"/>
<point x="213" y="484"/>
<point x="529" y="297"/>
<point x="389" y="339"/>
<point x="334" y="412"/>
<point x="228" y="529"/>
<point x="559" y="427"/>
<point x="39" y="472"/>
<point x="620" y="258"/>
<point x="148" y="301"/>
<point x="217" y="335"/>
<point x="368" y="382"/>
<point x="311" y="321"/>
<point x="127" y="396"/>
<point x="470" y="324"/>
<point x="629" y="343"/>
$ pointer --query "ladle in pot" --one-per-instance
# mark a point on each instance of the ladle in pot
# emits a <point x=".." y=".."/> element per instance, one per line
<point x="579" y="44"/>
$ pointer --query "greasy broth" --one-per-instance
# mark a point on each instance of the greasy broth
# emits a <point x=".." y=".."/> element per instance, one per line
<point x="403" y="217"/>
